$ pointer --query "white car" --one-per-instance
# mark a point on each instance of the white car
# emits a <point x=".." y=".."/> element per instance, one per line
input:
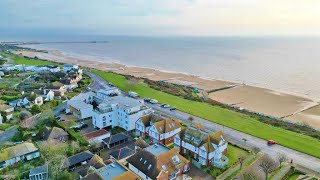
<point x="153" y="101"/>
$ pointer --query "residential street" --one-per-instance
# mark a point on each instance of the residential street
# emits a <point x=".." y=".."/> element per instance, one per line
<point x="234" y="136"/>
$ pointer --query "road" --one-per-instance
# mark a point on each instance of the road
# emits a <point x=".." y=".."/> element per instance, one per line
<point x="234" y="136"/>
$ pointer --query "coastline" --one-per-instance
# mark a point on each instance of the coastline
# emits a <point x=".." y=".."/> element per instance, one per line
<point x="279" y="104"/>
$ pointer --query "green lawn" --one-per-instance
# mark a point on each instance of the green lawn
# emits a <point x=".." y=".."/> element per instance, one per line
<point x="232" y="119"/>
<point x="28" y="61"/>
<point x="294" y="176"/>
<point x="234" y="153"/>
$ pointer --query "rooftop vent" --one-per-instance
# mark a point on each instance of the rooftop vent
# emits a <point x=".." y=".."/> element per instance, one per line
<point x="112" y="165"/>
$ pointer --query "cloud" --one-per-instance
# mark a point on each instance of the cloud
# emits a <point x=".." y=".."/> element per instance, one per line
<point x="184" y="17"/>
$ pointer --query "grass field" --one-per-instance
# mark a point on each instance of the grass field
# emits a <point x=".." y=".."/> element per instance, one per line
<point x="234" y="153"/>
<point x="28" y="61"/>
<point x="235" y="120"/>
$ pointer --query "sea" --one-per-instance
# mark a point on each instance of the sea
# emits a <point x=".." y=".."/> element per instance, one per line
<point x="290" y="64"/>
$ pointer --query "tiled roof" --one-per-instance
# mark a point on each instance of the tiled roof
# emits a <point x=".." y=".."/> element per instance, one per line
<point x="18" y="150"/>
<point x="141" y="143"/>
<point x="126" y="176"/>
<point x="171" y="160"/>
<point x="115" y="138"/>
<point x="122" y="153"/>
<point x="78" y="158"/>
<point x="4" y="107"/>
<point x="95" y="134"/>
<point x="38" y="170"/>
<point x="166" y="125"/>
<point x="55" y="133"/>
<point x="146" y="163"/>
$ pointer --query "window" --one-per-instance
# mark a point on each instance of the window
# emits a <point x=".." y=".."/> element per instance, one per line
<point x="110" y="120"/>
<point x="104" y="118"/>
<point x="104" y="124"/>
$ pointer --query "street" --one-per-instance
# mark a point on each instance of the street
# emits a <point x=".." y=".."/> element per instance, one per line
<point x="235" y="137"/>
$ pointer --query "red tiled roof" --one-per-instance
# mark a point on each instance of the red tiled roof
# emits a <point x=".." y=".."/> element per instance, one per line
<point x="95" y="134"/>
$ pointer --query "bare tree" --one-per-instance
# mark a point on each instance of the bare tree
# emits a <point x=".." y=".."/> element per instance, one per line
<point x="282" y="158"/>
<point x="241" y="160"/>
<point x="249" y="174"/>
<point x="267" y="165"/>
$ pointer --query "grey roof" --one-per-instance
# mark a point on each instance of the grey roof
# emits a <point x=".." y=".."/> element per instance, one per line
<point x="39" y="169"/>
<point x="83" y="96"/>
<point x="115" y="138"/>
<point x="111" y="171"/>
<point x="157" y="149"/>
<point x="78" y="104"/>
<point x="122" y="153"/>
<point x="124" y="102"/>
<point x="78" y="158"/>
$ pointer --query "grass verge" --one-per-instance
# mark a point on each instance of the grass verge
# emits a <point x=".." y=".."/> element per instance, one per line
<point x="229" y="118"/>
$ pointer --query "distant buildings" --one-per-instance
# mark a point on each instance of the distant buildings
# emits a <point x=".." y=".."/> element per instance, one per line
<point x="18" y="153"/>
<point x="206" y="148"/>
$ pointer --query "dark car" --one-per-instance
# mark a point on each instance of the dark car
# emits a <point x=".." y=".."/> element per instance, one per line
<point x="172" y="108"/>
<point x="147" y="100"/>
<point x="76" y="128"/>
<point x="83" y="125"/>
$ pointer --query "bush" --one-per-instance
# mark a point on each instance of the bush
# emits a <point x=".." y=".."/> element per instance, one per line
<point x="35" y="109"/>
<point x="17" y="137"/>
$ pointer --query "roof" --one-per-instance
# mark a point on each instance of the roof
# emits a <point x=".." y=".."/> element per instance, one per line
<point x="113" y="170"/>
<point x="127" y="176"/>
<point x="55" y="133"/>
<point x="39" y="169"/>
<point x="122" y="153"/>
<point x="146" y="162"/>
<point x="157" y="149"/>
<point x="141" y="143"/>
<point x="78" y="104"/>
<point x="83" y="96"/>
<point x="115" y="138"/>
<point x="57" y="84"/>
<point x="93" y="176"/>
<point x="52" y="87"/>
<point x="18" y="150"/>
<point x="4" y="107"/>
<point x="171" y="160"/>
<point x="78" y="158"/>
<point x="123" y="102"/>
<point x="97" y="162"/>
<point x="95" y="134"/>
<point x="166" y="125"/>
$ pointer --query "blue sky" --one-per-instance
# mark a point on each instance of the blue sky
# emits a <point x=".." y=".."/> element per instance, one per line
<point x="162" y="17"/>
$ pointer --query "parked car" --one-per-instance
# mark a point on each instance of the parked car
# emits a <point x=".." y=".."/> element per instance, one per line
<point x="83" y="125"/>
<point x="132" y="94"/>
<point x="172" y="108"/>
<point x="147" y="100"/>
<point x="165" y="105"/>
<point x="61" y="120"/>
<point x="271" y="142"/>
<point x="153" y="101"/>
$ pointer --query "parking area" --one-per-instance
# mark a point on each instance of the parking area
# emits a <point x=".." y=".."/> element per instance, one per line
<point x="88" y="129"/>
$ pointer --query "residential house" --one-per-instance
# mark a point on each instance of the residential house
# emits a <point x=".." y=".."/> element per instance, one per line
<point x="113" y="171"/>
<point x="158" y="162"/>
<point x="54" y="134"/>
<point x="144" y="123"/>
<point x="163" y="131"/>
<point x="69" y="84"/>
<point x="77" y="160"/>
<point x="68" y="67"/>
<point x="39" y="173"/>
<point x="80" y="109"/>
<point x="115" y="140"/>
<point x="58" y="90"/>
<point x="206" y="148"/>
<point x="1" y="119"/>
<point x="49" y="96"/>
<point x="18" y="153"/>
<point x="119" y="111"/>
<point x="96" y="137"/>
<point x="53" y="68"/>
<point x="7" y="110"/>
<point x="140" y="144"/>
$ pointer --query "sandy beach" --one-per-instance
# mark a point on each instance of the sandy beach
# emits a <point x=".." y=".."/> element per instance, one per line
<point x="278" y="104"/>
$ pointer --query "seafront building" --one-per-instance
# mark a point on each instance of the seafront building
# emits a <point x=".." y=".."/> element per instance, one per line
<point x="206" y="148"/>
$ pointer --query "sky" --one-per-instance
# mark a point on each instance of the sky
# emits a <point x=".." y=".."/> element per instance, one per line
<point x="162" y="17"/>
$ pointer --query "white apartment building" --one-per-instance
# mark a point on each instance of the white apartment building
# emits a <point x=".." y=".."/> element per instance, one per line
<point x="118" y="111"/>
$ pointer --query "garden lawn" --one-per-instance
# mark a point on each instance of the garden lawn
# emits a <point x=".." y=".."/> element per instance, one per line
<point x="232" y="119"/>
<point x="28" y="61"/>
<point x="234" y="153"/>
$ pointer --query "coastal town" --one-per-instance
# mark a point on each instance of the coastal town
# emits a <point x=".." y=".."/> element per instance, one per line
<point x="67" y="121"/>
